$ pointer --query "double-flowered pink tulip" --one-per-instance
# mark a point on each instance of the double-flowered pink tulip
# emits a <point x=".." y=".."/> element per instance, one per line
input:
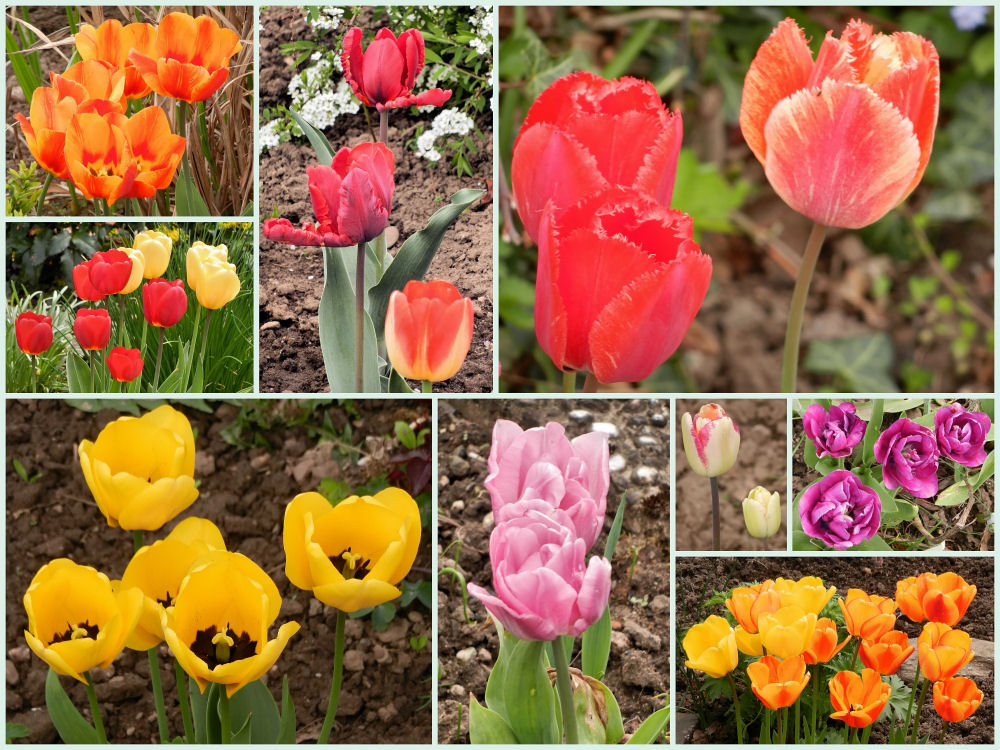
<point x="541" y="469"/>
<point x="544" y="585"/>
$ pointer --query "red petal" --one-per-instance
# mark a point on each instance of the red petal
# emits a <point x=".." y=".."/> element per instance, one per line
<point x="431" y="97"/>
<point x="361" y="217"/>
<point x="411" y="44"/>
<point x="550" y="313"/>
<point x="383" y="71"/>
<point x="352" y="61"/>
<point x="659" y="168"/>
<point x="324" y="190"/>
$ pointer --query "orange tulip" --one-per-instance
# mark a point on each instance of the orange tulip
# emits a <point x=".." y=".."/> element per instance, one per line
<point x="189" y="58"/>
<point x="956" y="698"/>
<point x="747" y="603"/>
<point x="868" y="617"/>
<point x="156" y="150"/>
<point x="858" y="700"/>
<point x="112" y="42"/>
<point x="943" y="598"/>
<point x="942" y="651"/>
<point x="887" y="654"/>
<point x="778" y="683"/>
<point x="99" y="158"/>
<point x="428" y="330"/>
<point x="823" y="645"/>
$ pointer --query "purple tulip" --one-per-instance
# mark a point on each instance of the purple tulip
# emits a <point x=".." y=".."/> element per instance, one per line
<point x="834" y="432"/>
<point x="909" y="458"/>
<point x="545" y="588"/>
<point x="540" y="469"/>
<point x="961" y="434"/>
<point x="840" y="511"/>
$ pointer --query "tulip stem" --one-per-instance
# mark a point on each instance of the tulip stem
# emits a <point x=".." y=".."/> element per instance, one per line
<point x="765" y="728"/>
<point x="736" y="708"/>
<point x="383" y="126"/>
<point x="797" y="722"/>
<point x="226" y="735"/>
<point x="909" y="707"/>
<point x="790" y="361"/>
<point x="815" y="679"/>
<point x="713" y="483"/>
<point x="920" y="707"/>
<point x="857" y="649"/>
<point x="159" y="356"/>
<point x="180" y="680"/>
<point x="72" y="197"/>
<point x="95" y="710"/>
<point x="866" y="734"/>
<point x="338" y="673"/>
<point x="569" y="381"/>
<point x="359" y="320"/>
<point x="426" y="386"/>
<point x="944" y="730"/>
<point x="34" y="379"/>
<point x="136" y="540"/>
<point x="121" y="318"/>
<point x="589" y="383"/>
<point x="564" y="687"/>
<point x="194" y="346"/>
<point x="40" y="205"/>
<point x="161" y="711"/>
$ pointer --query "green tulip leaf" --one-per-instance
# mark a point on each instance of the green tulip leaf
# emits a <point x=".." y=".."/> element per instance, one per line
<point x="985" y="472"/>
<point x="809" y="454"/>
<point x="528" y="695"/>
<point x="952" y="495"/>
<point x="241" y="736"/>
<point x="495" y="682"/>
<point x="875" y="544"/>
<point x="78" y="374"/>
<point x="187" y="199"/>
<point x="650" y="729"/>
<point x="213" y="728"/>
<point x="595" y="646"/>
<point x="199" y="712"/>
<point x="68" y="721"/>
<point x="487" y="727"/>
<point x="397" y="383"/>
<point x="336" y="330"/>
<point x="616" y="530"/>
<point x="872" y="432"/>
<point x="286" y="735"/>
<point x="324" y="152"/>
<point x="254" y="706"/>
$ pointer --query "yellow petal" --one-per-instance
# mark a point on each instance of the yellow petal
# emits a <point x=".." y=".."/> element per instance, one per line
<point x="354" y="594"/>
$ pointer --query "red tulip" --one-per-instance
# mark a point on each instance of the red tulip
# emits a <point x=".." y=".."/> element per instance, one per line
<point x="846" y="138"/>
<point x="110" y="271"/>
<point x="33" y="332"/>
<point x="584" y="134"/>
<point x="383" y="76"/>
<point x="163" y="302"/>
<point x="428" y="330"/>
<point x="619" y="282"/>
<point x="351" y="198"/>
<point x="92" y="328"/>
<point x="82" y="284"/>
<point x="124" y="364"/>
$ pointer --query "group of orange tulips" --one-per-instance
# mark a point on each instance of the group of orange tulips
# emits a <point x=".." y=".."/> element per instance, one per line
<point x="778" y="624"/>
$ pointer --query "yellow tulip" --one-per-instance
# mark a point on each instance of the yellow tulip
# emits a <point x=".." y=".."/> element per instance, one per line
<point x="141" y="470"/>
<point x="762" y="512"/>
<point x="352" y="554"/>
<point x="199" y="254"/>
<point x="711" y="647"/>
<point x="138" y="266"/>
<point x="787" y="632"/>
<point x="809" y="593"/>
<point x="158" y="569"/>
<point x="748" y="643"/>
<point x="75" y="619"/>
<point x="155" y="248"/>
<point x="218" y="625"/>
<point x="218" y="285"/>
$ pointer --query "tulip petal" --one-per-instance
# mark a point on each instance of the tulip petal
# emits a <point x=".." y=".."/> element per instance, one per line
<point x="354" y="594"/>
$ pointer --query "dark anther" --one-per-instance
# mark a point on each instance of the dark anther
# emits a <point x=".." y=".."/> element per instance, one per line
<point x="167" y="600"/>
<point x="205" y="649"/>
<point x="67" y="635"/>
<point x="361" y="568"/>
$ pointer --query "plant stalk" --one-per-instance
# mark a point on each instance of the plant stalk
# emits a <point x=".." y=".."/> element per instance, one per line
<point x="180" y="680"/>
<point x="121" y="319"/>
<point x="359" y="320"/>
<point x="736" y="708"/>
<point x="866" y="734"/>
<point x="797" y="722"/>
<point x="564" y="687"/>
<point x="713" y="483"/>
<point x="589" y="384"/>
<point x="34" y="377"/>
<point x="920" y="707"/>
<point x="161" y="710"/>
<point x="95" y="710"/>
<point x="40" y="205"/>
<point x="790" y="360"/>
<point x="815" y="679"/>
<point x="426" y="386"/>
<point x="944" y="730"/>
<point x="226" y="735"/>
<point x="159" y="356"/>
<point x="338" y="674"/>
<point x="909" y="707"/>
<point x="383" y="126"/>
<point x="569" y="381"/>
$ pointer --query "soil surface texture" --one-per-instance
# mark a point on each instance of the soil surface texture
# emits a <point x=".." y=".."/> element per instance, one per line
<point x="386" y="688"/>
<point x="640" y="578"/>
<point x="291" y="278"/>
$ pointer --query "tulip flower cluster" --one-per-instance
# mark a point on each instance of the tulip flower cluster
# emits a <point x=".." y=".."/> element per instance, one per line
<point x="845" y="507"/>
<point x="783" y="645"/>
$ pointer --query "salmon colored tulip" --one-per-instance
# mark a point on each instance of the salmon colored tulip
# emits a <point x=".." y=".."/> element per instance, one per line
<point x="112" y="42"/>
<point x="163" y="302"/>
<point x="157" y="152"/>
<point x="189" y="58"/>
<point x="868" y="617"/>
<point x="583" y="135"/>
<point x="956" y="698"/>
<point x="92" y="328"/>
<point x="748" y="603"/>
<point x="845" y="138"/>
<point x="778" y="683"/>
<point x="887" y="654"/>
<point x="428" y="330"/>
<point x="807" y="592"/>
<point x="383" y="76"/>
<point x="823" y="646"/>
<point x="619" y="283"/>
<point x="938" y="598"/>
<point x="110" y="271"/>
<point x="942" y="651"/>
<point x="33" y="332"/>
<point x="125" y="365"/>
<point x="787" y="632"/>
<point x="710" y="647"/>
<point x="858" y="699"/>
<point x="98" y="157"/>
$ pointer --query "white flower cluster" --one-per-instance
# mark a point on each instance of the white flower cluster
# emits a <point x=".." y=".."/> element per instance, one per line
<point x="317" y="98"/>
<point x="482" y="24"/>
<point x="448" y="122"/>
<point x="269" y="135"/>
<point x="328" y="18"/>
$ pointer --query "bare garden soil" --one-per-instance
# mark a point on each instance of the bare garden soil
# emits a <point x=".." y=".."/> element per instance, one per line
<point x="291" y="279"/>
<point x="640" y="449"/>
<point x="386" y="689"/>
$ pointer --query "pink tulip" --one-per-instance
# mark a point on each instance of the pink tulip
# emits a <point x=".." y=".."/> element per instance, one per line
<point x="540" y="469"/>
<point x="545" y="588"/>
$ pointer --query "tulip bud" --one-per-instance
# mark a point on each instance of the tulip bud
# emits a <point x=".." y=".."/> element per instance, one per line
<point x="711" y="441"/>
<point x="762" y="512"/>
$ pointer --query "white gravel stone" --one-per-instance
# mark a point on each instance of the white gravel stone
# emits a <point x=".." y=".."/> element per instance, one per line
<point x="616" y="462"/>
<point x="605" y="427"/>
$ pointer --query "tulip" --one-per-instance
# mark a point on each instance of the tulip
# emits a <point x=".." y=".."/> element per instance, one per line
<point x="787" y="632"/>
<point x="138" y="268"/>
<point x="583" y="135"/>
<point x="858" y="699"/>
<point x="383" y="76"/>
<point x="218" y="625"/>
<point x="942" y="651"/>
<point x="711" y="440"/>
<point x="76" y="621"/>
<point x="938" y="598"/>
<point x="886" y="654"/>
<point x="157" y="152"/>
<point x="92" y="328"/>
<point x="82" y="285"/>
<point x="540" y="469"/>
<point x="711" y="647"/>
<point x="428" y="330"/>
<point x="748" y="643"/>
<point x="125" y="365"/>
<point x="748" y="603"/>
<point x="216" y="283"/>
<point x="141" y="470"/>
<point x="834" y="432"/>
<point x="198" y="255"/>
<point x="762" y="512"/>
<point x="189" y="58"/>
<point x="619" y="282"/>
<point x="99" y="158"/>
<point x="840" y="510"/>
<point x="823" y="645"/>
<point x="545" y="587"/>
<point x="351" y="199"/>
<point x="808" y="592"/>
<point x="846" y="138"/>
<point x="351" y="555"/>
<point x="33" y="332"/>
<point x="956" y="698"/>
<point x="961" y="434"/>
<point x="110" y="271"/>
<point x="155" y="248"/>
<point x="163" y="302"/>
<point x="908" y="454"/>
<point x="868" y="617"/>
<point x="111" y="42"/>
<point x="778" y="683"/>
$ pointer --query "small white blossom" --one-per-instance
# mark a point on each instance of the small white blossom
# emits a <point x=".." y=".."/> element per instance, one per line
<point x="269" y="135"/>
<point x="448" y="122"/>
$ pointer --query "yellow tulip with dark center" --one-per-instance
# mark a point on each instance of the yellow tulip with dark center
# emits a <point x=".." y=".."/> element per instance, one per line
<point x="787" y="632"/>
<point x="218" y="625"/>
<point x="351" y="555"/>
<point x="809" y="593"/>
<point x="158" y="570"/>
<point x="76" y="621"/>
<point x="141" y="470"/>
